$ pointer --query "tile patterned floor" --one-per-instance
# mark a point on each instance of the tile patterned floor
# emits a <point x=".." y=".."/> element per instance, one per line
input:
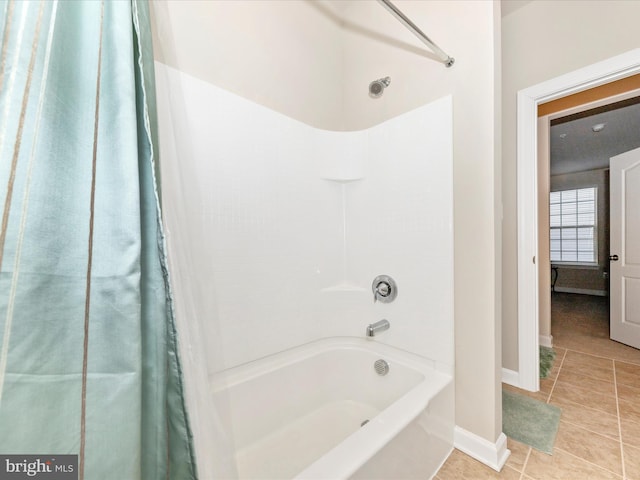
<point x="596" y="383"/>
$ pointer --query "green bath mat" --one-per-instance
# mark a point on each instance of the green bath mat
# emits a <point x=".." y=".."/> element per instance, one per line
<point x="547" y="356"/>
<point x="530" y="421"/>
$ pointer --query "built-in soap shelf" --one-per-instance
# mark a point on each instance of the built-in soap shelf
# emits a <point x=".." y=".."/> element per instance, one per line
<point x="342" y="180"/>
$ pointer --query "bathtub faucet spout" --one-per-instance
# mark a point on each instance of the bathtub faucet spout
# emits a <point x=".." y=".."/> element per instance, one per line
<point x="374" y="328"/>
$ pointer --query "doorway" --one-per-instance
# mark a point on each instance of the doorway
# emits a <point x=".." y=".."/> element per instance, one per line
<point x="581" y="142"/>
<point x="613" y="69"/>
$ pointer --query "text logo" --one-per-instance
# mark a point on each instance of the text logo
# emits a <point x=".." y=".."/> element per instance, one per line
<point x="39" y="467"/>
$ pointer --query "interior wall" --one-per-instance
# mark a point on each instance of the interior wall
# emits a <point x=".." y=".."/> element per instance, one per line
<point x="221" y="51"/>
<point x="577" y="33"/>
<point x="273" y="52"/>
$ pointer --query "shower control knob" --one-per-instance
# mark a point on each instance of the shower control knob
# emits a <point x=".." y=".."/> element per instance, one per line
<point x="384" y="289"/>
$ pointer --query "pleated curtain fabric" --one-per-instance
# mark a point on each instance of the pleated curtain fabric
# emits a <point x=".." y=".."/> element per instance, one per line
<point x="88" y="349"/>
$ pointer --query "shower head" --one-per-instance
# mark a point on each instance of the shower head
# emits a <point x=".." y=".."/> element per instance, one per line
<point x="376" y="88"/>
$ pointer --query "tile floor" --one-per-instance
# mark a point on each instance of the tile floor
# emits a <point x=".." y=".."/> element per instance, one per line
<point x="596" y="383"/>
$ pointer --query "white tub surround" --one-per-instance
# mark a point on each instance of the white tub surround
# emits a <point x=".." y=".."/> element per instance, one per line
<point x="275" y="232"/>
<point x="290" y="224"/>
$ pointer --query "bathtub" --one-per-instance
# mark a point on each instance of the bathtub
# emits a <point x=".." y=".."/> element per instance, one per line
<point x="321" y="411"/>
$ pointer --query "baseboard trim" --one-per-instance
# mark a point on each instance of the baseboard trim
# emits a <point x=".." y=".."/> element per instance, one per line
<point x="582" y="291"/>
<point x="510" y="377"/>
<point x="493" y="455"/>
<point x="546" y="341"/>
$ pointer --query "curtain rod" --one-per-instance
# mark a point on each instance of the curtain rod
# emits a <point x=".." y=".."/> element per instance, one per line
<point x="446" y="59"/>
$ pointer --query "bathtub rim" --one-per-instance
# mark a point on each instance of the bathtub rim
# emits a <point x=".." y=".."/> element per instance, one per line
<point x="264" y="365"/>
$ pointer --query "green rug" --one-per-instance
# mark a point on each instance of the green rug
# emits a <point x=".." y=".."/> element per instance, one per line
<point x="530" y="421"/>
<point x="547" y="356"/>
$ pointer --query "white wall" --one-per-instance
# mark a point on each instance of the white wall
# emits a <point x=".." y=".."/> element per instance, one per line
<point x="274" y="52"/>
<point x="374" y="47"/>
<point x="543" y="40"/>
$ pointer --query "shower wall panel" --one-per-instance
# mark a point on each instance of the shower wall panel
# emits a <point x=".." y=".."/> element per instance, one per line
<point x="400" y="223"/>
<point x="281" y="227"/>
<point x="269" y="228"/>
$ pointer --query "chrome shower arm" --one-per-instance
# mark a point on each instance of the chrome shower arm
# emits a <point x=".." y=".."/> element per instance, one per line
<point x="446" y="59"/>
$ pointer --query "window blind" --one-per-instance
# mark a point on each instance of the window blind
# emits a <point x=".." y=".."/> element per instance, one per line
<point x="572" y="215"/>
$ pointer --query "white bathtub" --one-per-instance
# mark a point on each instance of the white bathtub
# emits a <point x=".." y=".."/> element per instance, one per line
<point x="298" y="414"/>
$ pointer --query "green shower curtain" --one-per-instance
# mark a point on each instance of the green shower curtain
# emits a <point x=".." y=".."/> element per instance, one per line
<point x="88" y="351"/>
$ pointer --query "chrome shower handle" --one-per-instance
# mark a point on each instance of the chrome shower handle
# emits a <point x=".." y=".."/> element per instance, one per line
<point x="384" y="289"/>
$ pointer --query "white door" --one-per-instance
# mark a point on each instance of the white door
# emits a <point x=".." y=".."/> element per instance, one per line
<point x="625" y="248"/>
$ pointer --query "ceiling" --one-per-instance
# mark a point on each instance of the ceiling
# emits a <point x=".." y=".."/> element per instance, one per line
<point x="575" y="147"/>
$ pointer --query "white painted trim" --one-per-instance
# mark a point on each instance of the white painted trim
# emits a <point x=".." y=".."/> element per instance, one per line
<point x="591" y="76"/>
<point x="546" y="341"/>
<point x="493" y="455"/>
<point x="527" y="208"/>
<point x="582" y="291"/>
<point x="511" y="377"/>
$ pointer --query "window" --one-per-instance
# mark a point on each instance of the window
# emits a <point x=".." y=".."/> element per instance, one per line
<point x="573" y="225"/>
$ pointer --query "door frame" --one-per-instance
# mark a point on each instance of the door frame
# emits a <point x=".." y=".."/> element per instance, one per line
<point x="594" y="75"/>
